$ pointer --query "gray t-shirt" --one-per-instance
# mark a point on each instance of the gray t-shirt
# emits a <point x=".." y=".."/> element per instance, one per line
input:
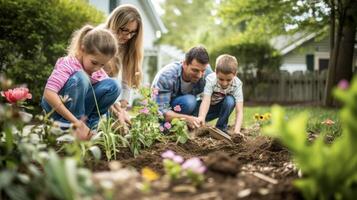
<point x="217" y="93"/>
<point x="186" y="87"/>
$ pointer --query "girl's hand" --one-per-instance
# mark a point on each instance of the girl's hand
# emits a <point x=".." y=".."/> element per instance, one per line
<point x="81" y="131"/>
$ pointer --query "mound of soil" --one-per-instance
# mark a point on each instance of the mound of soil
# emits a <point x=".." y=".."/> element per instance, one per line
<point x="250" y="168"/>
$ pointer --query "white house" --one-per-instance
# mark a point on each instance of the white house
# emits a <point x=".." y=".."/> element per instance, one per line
<point x="153" y="28"/>
<point x="301" y="52"/>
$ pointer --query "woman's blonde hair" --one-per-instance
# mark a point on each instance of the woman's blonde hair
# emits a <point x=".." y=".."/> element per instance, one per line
<point x="93" y="41"/>
<point x="131" y="54"/>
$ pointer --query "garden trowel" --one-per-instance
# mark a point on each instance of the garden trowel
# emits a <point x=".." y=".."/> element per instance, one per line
<point x="215" y="133"/>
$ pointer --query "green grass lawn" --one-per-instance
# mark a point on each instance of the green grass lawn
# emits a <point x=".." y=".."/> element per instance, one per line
<point x="316" y="116"/>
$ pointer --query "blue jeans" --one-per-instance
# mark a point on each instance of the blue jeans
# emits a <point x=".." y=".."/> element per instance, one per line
<point x="82" y="103"/>
<point x="222" y="110"/>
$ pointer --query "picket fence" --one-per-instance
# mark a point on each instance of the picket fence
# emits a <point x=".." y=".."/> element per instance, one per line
<point x="284" y="87"/>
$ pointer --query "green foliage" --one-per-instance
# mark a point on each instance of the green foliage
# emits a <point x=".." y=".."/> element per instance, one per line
<point x="144" y="126"/>
<point x="189" y="23"/>
<point x="250" y="55"/>
<point x="262" y="18"/>
<point x="329" y="169"/>
<point x="179" y="129"/>
<point x="109" y="137"/>
<point x="64" y="180"/>
<point x="34" y="34"/>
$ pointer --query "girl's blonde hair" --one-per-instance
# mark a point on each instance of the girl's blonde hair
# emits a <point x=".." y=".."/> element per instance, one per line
<point x="131" y="54"/>
<point x="93" y="41"/>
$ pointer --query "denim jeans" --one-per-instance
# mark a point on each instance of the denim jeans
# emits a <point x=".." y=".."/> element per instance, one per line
<point x="82" y="103"/>
<point x="222" y="110"/>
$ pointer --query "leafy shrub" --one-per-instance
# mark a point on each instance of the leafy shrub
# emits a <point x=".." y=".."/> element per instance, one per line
<point x="329" y="170"/>
<point x="250" y="55"/>
<point x="34" y="34"/>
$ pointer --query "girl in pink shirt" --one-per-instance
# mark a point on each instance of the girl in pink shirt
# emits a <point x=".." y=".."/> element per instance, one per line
<point x="81" y="77"/>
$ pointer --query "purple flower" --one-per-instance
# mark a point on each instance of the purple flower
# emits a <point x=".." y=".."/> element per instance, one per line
<point x="168" y="154"/>
<point x="161" y="128"/>
<point x="144" y="102"/>
<point x="144" y="111"/>
<point x="167" y="125"/>
<point x="343" y="84"/>
<point x="195" y="165"/>
<point x="160" y="113"/>
<point x="177" y="108"/>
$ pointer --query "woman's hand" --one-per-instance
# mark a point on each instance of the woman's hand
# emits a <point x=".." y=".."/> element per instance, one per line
<point x="120" y="113"/>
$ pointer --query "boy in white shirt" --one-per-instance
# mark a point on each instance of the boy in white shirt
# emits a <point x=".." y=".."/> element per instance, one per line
<point x="222" y="93"/>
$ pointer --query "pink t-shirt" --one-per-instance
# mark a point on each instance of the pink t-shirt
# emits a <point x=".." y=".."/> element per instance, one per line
<point x="65" y="68"/>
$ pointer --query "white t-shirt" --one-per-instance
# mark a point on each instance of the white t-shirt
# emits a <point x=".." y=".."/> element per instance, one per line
<point x="217" y="93"/>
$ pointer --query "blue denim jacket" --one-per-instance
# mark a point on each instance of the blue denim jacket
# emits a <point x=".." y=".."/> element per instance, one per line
<point x="168" y="81"/>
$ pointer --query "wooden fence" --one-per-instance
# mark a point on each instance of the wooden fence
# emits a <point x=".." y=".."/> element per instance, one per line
<point x="283" y="87"/>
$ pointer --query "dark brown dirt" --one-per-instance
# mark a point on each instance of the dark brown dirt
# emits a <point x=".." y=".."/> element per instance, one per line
<point x="233" y="170"/>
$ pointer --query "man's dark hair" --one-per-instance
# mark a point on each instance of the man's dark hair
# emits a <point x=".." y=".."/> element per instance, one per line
<point x="199" y="53"/>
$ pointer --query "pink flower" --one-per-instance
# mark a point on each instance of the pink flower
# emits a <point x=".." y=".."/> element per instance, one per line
<point x="144" y="111"/>
<point x="144" y="102"/>
<point x="177" y="108"/>
<point x="167" y="125"/>
<point x="161" y="128"/>
<point x="195" y="165"/>
<point x="155" y="91"/>
<point x="343" y="84"/>
<point x="16" y="94"/>
<point x="168" y="154"/>
<point x="177" y="159"/>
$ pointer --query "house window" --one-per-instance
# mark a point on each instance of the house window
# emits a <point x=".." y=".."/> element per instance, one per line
<point x="323" y="63"/>
<point x="310" y="62"/>
<point x="113" y="4"/>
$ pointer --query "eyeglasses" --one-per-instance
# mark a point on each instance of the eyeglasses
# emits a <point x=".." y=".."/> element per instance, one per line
<point x="127" y="32"/>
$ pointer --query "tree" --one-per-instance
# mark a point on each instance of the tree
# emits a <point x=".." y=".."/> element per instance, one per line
<point x="267" y="19"/>
<point x="188" y="22"/>
<point x="34" y="34"/>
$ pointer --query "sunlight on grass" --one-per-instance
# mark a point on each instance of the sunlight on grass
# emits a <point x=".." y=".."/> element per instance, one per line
<point x="317" y="115"/>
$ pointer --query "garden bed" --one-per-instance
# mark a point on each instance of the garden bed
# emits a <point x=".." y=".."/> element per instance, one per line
<point x="254" y="168"/>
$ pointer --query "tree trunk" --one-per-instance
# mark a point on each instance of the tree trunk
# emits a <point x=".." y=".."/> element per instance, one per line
<point x="340" y="65"/>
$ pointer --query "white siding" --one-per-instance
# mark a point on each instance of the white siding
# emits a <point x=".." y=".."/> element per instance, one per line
<point x="102" y="5"/>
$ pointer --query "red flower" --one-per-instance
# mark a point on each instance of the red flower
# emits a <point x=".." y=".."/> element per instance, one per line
<point x="16" y="94"/>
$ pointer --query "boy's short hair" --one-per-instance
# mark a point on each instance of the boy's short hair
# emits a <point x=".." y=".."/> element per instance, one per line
<point x="199" y="53"/>
<point x="226" y="64"/>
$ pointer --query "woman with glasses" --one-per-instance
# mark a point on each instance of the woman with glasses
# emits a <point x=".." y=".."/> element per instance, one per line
<point x="126" y="22"/>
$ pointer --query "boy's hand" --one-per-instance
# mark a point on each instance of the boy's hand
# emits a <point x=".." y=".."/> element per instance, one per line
<point x="202" y="121"/>
<point x="193" y="122"/>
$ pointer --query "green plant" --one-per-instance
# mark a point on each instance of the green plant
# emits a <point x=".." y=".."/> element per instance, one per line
<point x="329" y="170"/>
<point x="110" y="138"/>
<point x="179" y="128"/>
<point x="64" y="180"/>
<point x="36" y="33"/>
<point x="145" y="125"/>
